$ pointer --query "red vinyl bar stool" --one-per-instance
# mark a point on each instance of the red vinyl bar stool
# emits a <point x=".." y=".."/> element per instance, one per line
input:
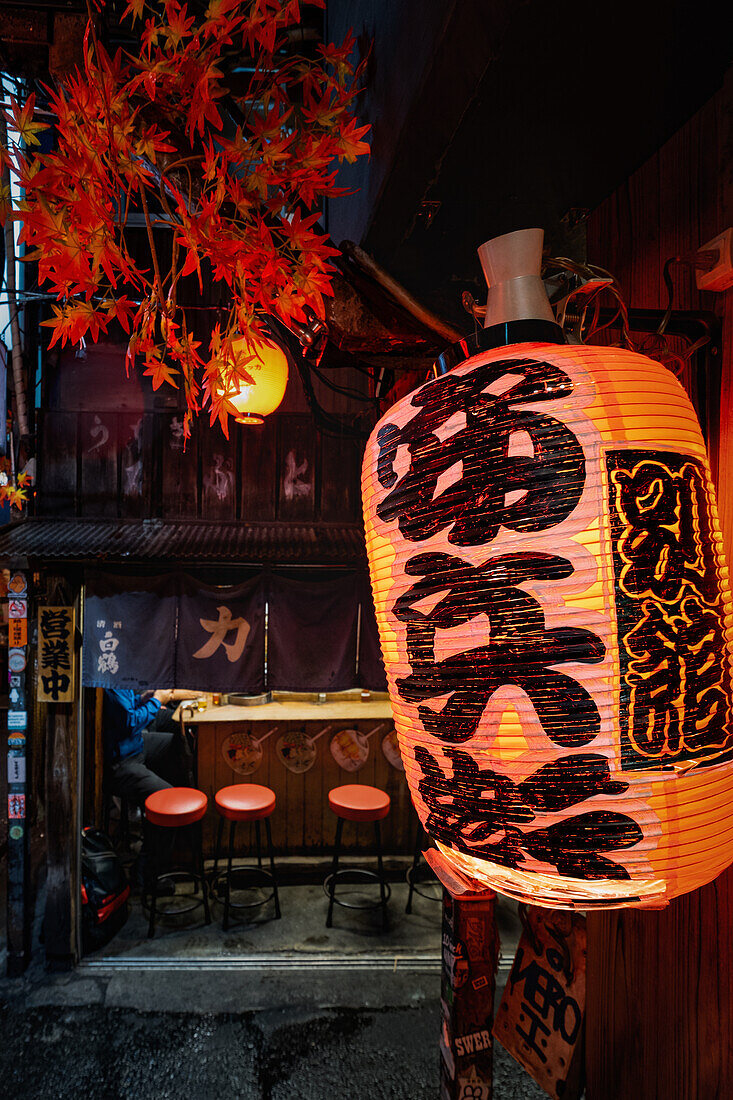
<point x="360" y="803"/>
<point x="169" y="810"/>
<point x="244" y="802"/>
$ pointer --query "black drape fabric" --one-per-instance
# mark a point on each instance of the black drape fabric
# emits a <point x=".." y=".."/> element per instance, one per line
<point x="312" y="632"/>
<point x="129" y="632"/>
<point x="173" y="630"/>
<point x="221" y="637"/>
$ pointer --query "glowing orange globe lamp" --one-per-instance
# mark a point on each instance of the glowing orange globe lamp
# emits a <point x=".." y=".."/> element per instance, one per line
<point x="267" y="363"/>
<point x="554" y="611"/>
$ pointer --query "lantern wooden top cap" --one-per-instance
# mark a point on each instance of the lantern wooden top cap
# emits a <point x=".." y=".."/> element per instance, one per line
<point x="512" y="265"/>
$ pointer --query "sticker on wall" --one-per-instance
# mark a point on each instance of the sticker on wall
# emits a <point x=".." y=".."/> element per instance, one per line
<point x="18" y="586"/>
<point x="17" y="632"/>
<point x="350" y="748"/>
<point x="17" y="720"/>
<point x="17" y="609"/>
<point x="16" y="832"/>
<point x="243" y="752"/>
<point x="16" y="806"/>
<point x="297" y="751"/>
<point x="16" y="660"/>
<point x="391" y="750"/>
<point x="16" y="768"/>
<point x="17" y="741"/>
<point x="17" y="698"/>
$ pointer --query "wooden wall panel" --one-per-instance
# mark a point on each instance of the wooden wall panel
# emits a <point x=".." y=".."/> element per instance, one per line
<point x="660" y="984"/>
<point x="302" y="823"/>
<point x="259" y="463"/>
<point x="98" y="447"/>
<point x="218" y="475"/>
<point x="296" y="488"/>
<point x="340" y="497"/>
<point x="178" y="468"/>
<point x="57" y="466"/>
<point x="135" y="453"/>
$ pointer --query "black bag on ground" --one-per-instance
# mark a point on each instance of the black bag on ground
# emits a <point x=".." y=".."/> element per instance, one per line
<point x="104" y="889"/>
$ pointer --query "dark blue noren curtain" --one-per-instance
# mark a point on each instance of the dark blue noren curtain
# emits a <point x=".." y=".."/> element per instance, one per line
<point x="221" y="637"/>
<point x="129" y="632"/>
<point x="312" y="632"/>
<point x="371" y="665"/>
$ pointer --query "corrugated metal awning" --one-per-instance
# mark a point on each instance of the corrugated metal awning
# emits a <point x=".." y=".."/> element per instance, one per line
<point x="166" y="541"/>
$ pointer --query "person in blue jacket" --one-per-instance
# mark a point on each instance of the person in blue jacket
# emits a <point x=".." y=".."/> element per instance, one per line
<point x="141" y="748"/>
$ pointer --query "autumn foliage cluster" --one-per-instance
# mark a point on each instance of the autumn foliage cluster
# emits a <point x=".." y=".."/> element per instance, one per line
<point x="236" y="168"/>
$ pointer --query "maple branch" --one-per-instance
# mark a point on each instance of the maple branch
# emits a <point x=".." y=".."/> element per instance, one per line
<point x="240" y="210"/>
<point x="151" y="241"/>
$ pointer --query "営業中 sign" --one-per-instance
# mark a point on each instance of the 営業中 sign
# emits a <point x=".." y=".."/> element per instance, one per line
<point x="56" y="657"/>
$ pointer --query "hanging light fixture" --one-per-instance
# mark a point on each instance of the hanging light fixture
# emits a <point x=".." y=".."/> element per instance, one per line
<point x="554" y="610"/>
<point x="268" y="365"/>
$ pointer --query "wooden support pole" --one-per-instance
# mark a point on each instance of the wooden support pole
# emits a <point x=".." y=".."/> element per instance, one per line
<point x="18" y="908"/>
<point x="62" y="814"/>
<point x="62" y="877"/>
<point x="660" y="1003"/>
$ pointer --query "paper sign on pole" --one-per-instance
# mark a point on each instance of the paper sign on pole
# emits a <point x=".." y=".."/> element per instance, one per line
<point x="56" y="654"/>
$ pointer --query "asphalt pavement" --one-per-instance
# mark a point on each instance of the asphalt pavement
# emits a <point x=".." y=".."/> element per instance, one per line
<point x="103" y="1053"/>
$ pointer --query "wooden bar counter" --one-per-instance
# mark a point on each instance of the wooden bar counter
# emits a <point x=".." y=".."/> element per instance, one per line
<point x="286" y="745"/>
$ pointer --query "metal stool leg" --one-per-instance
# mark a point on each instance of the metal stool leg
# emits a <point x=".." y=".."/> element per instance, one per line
<point x="202" y="870"/>
<point x="268" y="834"/>
<point x="382" y="891"/>
<point x="227" y="895"/>
<point x="217" y="850"/>
<point x="258" y="839"/>
<point x="153" y="835"/>
<point x="415" y="862"/>
<point x="334" y="871"/>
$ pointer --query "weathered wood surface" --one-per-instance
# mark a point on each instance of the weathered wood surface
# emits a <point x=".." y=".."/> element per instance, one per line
<point x="133" y="465"/>
<point x="660" y="987"/>
<point x="302" y="823"/>
<point x="62" y="872"/>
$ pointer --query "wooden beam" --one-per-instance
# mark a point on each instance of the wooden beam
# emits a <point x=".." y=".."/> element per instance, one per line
<point x="62" y="824"/>
<point x="62" y="878"/>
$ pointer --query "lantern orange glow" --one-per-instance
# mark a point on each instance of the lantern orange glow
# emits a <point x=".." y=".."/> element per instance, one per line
<point x="268" y="365"/>
<point x="556" y="623"/>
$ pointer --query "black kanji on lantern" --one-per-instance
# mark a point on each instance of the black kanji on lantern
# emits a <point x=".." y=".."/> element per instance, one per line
<point x="519" y="649"/>
<point x="549" y="480"/>
<point x="473" y="460"/>
<point x="671" y="626"/>
<point x="485" y="813"/>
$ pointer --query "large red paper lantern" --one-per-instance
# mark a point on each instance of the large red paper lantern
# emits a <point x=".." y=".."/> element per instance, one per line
<point x="555" y="617"/>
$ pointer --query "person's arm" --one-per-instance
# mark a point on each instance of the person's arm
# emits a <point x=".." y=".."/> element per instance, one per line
<point x="131" y="713"/>
<point x="181" y="695"/>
